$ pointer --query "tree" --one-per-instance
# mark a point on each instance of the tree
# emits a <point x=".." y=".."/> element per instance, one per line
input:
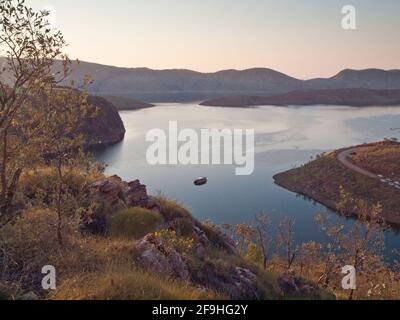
<point x="28" y="47"/>
<point x="285" y="240"/>
<point x="363" y="243"/>
<point x="330" y="252"/>
<point x="245" y="234"/>
<point x="64" y="110"/>
<point x="263" y="226"/>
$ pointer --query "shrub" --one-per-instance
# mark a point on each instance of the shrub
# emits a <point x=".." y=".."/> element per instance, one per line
<point x="172" y="209"/>
<point x="30" y="243"/>
<point x="181" y="244"/>
<point x="39" y="188"/>
<point x="179" y="218"/>
<point x="40" y="184"/>
<point x="134" y="223"/>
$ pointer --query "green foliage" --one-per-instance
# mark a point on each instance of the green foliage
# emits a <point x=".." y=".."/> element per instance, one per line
<point x="38" y="186"/>
<point x="134" y="223"/>
<point x="254" y="253"/>
<point x="30" y="48"/>
<point x="180" y="244"/>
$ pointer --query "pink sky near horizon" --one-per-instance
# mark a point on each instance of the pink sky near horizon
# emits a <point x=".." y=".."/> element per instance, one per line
<point x="302" y="38"/>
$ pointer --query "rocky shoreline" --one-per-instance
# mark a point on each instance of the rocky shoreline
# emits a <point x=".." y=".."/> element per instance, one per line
<point x="306" y="192"/>
<point x="106" y="127"/>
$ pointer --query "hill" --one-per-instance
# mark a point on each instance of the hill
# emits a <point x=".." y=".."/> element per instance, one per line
<point x="185" y="85"/>
<point x="369" y="78"/>
<point x="177" y="85"/>
<point x="347" y="97"/>
<point x="106" y="127"/>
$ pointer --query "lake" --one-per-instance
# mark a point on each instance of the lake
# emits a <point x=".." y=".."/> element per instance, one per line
<point x="285" y="138"/>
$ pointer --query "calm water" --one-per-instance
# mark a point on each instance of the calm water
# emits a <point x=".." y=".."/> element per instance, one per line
<point x="285" y="137"/>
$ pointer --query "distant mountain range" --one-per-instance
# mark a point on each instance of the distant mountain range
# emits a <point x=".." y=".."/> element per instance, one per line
<point x="185" y="85"/>
<point x="179" y="85"/>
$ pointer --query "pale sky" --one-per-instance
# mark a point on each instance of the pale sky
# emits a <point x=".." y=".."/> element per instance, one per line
<point x="302" y="38"/>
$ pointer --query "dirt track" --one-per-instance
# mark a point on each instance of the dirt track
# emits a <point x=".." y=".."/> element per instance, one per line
<point x="343" y="158"/>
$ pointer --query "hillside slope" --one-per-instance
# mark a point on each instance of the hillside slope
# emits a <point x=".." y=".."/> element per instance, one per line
<point x="132" y="247"/>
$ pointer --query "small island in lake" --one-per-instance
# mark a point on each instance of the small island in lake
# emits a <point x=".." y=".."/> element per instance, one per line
<point x="127" y="104"/>
<point x="342" y="97"/>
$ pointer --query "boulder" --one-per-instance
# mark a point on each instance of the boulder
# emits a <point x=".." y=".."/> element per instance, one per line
<point x="293" y="286"/>
<point x="237" y="283"/>
<point x="157" y="257"/>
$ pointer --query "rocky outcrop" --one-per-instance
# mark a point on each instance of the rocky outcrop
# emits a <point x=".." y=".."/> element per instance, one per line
<point x="160" y="258"/>
<point x="293" y="286"/>
<point x="120" y="194"/>
<point x="109" y="195"/>
<point x="106" y="127"/>
<point x="236" y="282"/>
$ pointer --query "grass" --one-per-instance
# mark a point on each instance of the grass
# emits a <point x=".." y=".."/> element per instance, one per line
<point x="134" y="223"/>
<point x="171" y="209"/>
<point x="381" y="158"/>
<point x="89" y="267"/>
<point x="129" y="284"/>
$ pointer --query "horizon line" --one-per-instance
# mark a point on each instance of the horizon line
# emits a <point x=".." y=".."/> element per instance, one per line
<point x="110" y="65"/>
<point x="231" y="69"/>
